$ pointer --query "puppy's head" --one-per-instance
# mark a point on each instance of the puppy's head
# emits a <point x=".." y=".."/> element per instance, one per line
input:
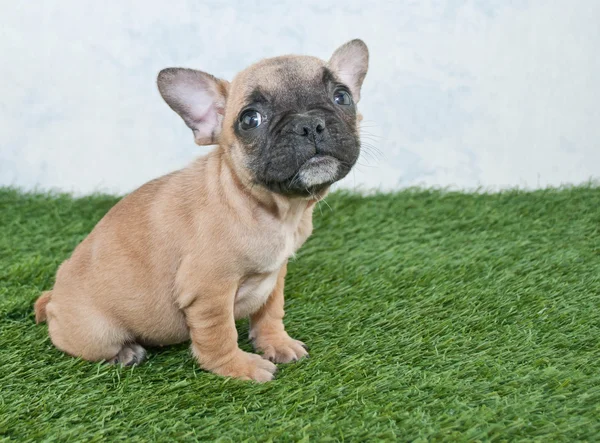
<point x="289" y="123"/>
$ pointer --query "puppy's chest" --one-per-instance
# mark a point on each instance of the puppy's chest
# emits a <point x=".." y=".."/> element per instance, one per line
<point x="272" y="251"/>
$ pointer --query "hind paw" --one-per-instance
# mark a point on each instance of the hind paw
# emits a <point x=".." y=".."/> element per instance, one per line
<point x="129" y="355"/>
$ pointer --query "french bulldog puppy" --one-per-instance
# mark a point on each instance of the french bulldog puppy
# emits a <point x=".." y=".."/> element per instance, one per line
<point x="187" y="254"/>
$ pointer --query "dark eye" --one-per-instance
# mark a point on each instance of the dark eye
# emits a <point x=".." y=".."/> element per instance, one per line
<point x="341" y="97"/>
<point x="250" y="119"/>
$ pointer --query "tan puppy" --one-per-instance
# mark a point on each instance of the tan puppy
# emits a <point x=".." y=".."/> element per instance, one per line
<point x="187" y="254"/>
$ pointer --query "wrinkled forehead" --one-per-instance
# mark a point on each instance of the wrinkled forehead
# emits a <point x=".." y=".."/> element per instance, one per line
<point x="280" y="76"/>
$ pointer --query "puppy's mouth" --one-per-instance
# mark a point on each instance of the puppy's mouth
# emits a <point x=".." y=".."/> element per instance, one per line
<point x="314" y="176"/>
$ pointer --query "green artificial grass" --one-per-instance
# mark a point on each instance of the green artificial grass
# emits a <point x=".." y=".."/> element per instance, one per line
<point x="430" y="315"/>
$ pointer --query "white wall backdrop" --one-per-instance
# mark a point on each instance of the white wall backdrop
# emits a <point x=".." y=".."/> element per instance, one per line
<point x="460" y="93"/>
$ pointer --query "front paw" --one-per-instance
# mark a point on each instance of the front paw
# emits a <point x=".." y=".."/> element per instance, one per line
<point x="280" y="348"/>
<point x="247" y="366"/>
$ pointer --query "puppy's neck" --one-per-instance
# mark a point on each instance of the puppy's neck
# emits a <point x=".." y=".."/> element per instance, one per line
<point x="238" y="189"/>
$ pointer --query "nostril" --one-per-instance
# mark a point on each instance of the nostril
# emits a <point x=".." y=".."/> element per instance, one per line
<point x="310" y="127"/>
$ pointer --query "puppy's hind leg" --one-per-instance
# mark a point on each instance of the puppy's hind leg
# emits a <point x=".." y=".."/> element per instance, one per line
<point x="91" y="335"/>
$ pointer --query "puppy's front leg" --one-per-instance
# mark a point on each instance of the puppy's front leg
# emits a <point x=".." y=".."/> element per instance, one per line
<point x="267" y="331"/>
<point x="214" y="336"/>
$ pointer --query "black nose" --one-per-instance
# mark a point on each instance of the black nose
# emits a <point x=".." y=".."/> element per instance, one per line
<point x="309" y="126"/>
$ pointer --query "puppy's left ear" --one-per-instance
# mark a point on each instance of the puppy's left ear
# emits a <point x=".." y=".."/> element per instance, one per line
<point x="199" y="99"/>
<point x="350" y="63"/>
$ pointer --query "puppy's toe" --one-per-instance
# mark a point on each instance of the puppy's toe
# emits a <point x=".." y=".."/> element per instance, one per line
<point x="266" y="365"/>
<point x="247" y="366"/>
<point x="129" y="355"/>
<point x="283" y="350"/>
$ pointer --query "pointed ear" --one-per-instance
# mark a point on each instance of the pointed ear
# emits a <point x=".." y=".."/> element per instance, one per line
<point x="350" y="63"/>
<point x="198" y="97"/>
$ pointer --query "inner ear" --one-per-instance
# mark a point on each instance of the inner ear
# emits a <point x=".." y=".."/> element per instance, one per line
<point x="350" y="63"/>
<point x="199" y="99"/>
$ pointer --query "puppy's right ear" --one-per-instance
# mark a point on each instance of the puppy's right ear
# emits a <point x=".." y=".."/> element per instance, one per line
<point x="198" y="97"/>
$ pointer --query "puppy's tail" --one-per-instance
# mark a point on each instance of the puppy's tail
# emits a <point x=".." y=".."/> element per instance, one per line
<point x="40" y="306"/>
